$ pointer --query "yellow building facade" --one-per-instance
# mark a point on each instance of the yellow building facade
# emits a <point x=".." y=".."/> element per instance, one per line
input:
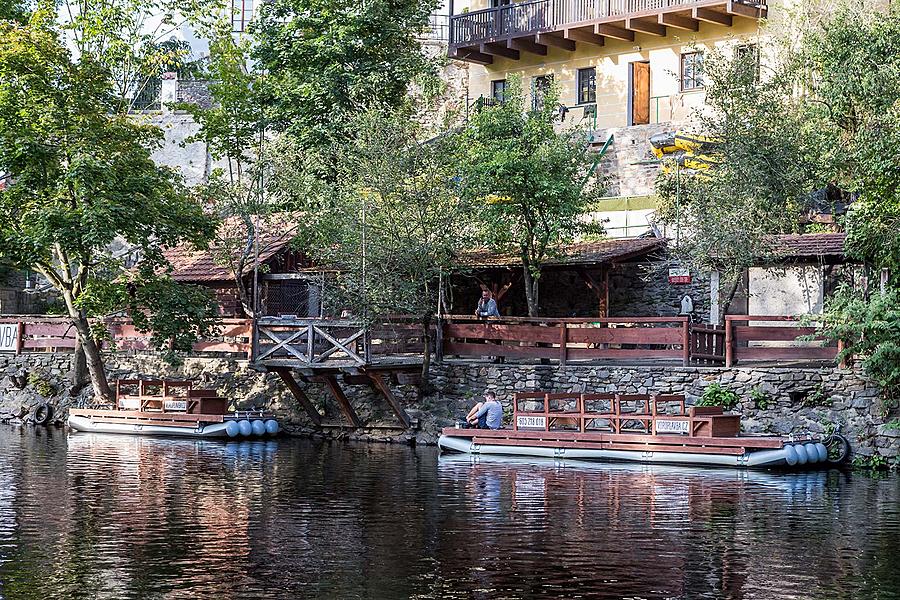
<point x="646" y="55"/>
<point x="625" y="69"/>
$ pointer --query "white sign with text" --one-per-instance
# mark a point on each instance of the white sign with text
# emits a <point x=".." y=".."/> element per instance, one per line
<point x="669" y="426"/>
<point x="175" y="405"/>
<point x="9" y="337"/>
<point x="523" y="422"/>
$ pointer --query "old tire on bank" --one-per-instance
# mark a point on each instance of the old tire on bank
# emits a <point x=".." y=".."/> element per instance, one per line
<point x="42" y="413"/>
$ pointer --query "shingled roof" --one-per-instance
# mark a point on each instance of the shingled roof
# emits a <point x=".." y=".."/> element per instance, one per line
<point x="582" y="253"/>
<point x="808" y="245"/>
<point x="199" y="266"/>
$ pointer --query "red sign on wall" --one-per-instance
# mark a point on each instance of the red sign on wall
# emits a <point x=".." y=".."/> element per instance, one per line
<point x="679" y="275"/>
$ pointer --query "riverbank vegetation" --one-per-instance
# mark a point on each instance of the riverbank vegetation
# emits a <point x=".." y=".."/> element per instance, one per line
<point x="809" y="117"/>
<point x="79" y="179"/>
<point x="321" y="114"/>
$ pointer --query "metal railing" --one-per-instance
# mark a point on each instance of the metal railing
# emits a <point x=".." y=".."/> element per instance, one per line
<point x="438" y="29"/>
<point x="538" y="16"/>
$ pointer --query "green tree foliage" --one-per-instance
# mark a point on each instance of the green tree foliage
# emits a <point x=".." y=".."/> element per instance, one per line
<point x="14" y="10"/>
<point x="533" y="183"/>
<point x="330" y="60"/>
<point x="852" y="71"/>
<point x="80" y="178"/>
<point x="763" y="174"/>
<point x="133" y="40"/>
<point x="392" y="221"/>
<point x="870" y="330"/>
<point x="234" y="129"/>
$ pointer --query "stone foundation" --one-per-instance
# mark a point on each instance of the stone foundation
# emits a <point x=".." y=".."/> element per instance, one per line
<point x="802" y="399"/>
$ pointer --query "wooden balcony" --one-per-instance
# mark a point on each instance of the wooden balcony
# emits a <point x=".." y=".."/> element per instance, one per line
<point x="535" y="25"/>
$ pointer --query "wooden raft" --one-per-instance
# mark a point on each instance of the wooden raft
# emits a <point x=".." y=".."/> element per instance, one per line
<point x="607" y="421"/>
<point x="165" y="403"/>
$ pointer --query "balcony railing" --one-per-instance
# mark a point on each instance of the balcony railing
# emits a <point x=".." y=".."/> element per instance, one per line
<point x="541" y="16"/>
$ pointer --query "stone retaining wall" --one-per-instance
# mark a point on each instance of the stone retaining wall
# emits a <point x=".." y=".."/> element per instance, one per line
<point x="802" y="399"/>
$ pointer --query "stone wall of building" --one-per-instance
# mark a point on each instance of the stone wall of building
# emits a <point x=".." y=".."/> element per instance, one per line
<point x="643" y="290"/>
<point x="194" y="91"/>
<point x="629" y="164"/>
<point x="801" y="399"/>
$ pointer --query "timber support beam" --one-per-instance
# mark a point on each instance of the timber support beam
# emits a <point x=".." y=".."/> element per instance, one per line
<point x="302" y="399"/>
<point x="382" y="386"/>
<point x="337" y="393"/>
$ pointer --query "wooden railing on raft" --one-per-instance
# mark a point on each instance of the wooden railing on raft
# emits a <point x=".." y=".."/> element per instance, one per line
<point x="620" y="414"/>
<point x="165" y="396"/>
<point x="42" y="333"/>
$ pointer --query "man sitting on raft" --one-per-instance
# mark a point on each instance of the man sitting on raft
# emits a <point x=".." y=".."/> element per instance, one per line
<point x="487" y="414"/>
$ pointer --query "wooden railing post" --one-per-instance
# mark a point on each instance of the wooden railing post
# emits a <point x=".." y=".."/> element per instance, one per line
<point x="729" y="343"/>
<point x="310" y="335"/>
<point x="563" y="343"/>
<point x="686" y="344"/>
<point x="547" y="412"/>
<point x="254" y="339"/>
<point x="438" y="341"/>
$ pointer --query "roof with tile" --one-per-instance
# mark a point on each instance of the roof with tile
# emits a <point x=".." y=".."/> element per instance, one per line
<point x="200" y="266"/>
<point x="581" y="253"/>
<point x="808" y="245"/>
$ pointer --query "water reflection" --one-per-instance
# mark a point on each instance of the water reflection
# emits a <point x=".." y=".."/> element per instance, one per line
<point x="129" y="517"/>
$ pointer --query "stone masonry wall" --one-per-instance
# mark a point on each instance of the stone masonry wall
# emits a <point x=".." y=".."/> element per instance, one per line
<point x="643" y="290"/>
<point x="803" y="399"/>
<point x="628" y="164"/>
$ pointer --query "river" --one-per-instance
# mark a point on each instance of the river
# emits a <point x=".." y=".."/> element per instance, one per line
<point x="93" y="516"/>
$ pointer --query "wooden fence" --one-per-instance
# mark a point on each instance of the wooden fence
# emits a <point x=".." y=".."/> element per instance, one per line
<point x="755" y="338"/>
<point x="630" y="338"/>
<point x="743" y="338"/>
<point x="41" y="333"/>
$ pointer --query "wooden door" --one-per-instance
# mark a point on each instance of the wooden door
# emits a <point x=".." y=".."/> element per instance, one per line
<point x="640" y="93"/>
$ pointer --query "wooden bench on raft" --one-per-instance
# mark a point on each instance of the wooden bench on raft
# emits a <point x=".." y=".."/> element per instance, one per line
<point x="657" y="414"/>
<point x="167" y="396"/>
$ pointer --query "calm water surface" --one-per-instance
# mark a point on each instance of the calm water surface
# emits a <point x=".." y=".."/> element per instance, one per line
<point x="92" y="516"/>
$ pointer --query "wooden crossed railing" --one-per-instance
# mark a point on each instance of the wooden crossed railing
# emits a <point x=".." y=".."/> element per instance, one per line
<point x="314" y="342"/>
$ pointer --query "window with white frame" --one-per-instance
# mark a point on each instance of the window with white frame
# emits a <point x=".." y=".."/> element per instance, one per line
<point x="241" y="14"/>
<point x="587" y="85"/>
<point x="691" y="71"/>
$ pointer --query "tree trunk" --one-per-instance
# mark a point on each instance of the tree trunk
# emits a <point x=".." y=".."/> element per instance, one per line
<point x="530" y="289"/>
<point x="93" y="359"/>
<point x="425" y="379"/>
<point x="81" y="377"/>
<point x="727" y="304"/>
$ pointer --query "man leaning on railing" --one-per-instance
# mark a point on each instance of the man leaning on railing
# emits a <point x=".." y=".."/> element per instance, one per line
<point x="487" y="306"/>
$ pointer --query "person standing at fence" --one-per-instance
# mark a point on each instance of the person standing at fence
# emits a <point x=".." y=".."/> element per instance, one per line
<point x="487" y="306"/>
